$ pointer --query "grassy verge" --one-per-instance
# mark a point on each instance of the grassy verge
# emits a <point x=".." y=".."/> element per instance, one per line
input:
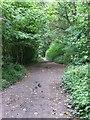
<point x="76" y="83"/>
<point x="10" y="74"/>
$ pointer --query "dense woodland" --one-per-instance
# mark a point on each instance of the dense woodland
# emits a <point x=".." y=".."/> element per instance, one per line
<point x="58" y="31"/>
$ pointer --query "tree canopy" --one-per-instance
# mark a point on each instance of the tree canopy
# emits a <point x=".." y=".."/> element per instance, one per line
<point x="59" y="31"/>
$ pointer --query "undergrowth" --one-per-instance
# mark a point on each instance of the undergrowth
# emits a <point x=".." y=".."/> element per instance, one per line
<point x="54" y="51"/>
<point x="10" y="74"/>
<point x="76" y="82"/>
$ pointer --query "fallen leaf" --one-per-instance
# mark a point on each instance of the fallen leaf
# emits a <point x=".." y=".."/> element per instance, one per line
<point x="59" y="102"/>
<point x="66" y="113"/>
<point x="69" y="106"/>
<point x="35" y="113"/>
<point x="53" y="87"/>
<point x="61" y="92"/>
<point x="54" y="110"/>
<point x="24" y="109"/>
<point x="26" y="76"/>
<point x="65" y="101"/>
<point x="54" y="113"/>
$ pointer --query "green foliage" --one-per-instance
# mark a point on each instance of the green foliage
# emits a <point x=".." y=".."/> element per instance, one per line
<point x="19" y="32"/>
<point x="76" y="81"/>
<point x="24" y="25"/>
<point x="10" y="74"/>
<point x="28" y="30"/>
<point x="60" y="60"/>
<point x="57" y="53"/>
<point x="54" y="50"/>
<point x="25" y="35"/>
<point x="72" y="28"/>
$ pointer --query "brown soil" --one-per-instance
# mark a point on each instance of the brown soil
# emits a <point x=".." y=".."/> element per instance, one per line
<point x="38" y="95"/>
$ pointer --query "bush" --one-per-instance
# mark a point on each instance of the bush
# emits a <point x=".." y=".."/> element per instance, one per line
<point x="62" y="59"/>
<point x="11" y="73"/>
<point x="57" y="53"/>
<point x="76" y="79"/>
<point x="54" y="50"/>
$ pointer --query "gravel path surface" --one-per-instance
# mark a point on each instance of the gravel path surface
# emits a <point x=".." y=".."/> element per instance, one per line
<point x="37" y="95"/>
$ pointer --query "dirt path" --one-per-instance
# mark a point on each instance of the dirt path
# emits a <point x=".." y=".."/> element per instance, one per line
<point x="38" y="95"/>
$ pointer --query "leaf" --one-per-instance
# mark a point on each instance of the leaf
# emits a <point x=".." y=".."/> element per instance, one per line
<point x="66" y="113"/>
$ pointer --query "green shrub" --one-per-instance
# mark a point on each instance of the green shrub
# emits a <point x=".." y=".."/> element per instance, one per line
<point x="57" y="53"/>
<point x="76" y="79"/>
<point x="54" y="50"/>
<point x="62" y="59"/>
<point x="11" y="73"/>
